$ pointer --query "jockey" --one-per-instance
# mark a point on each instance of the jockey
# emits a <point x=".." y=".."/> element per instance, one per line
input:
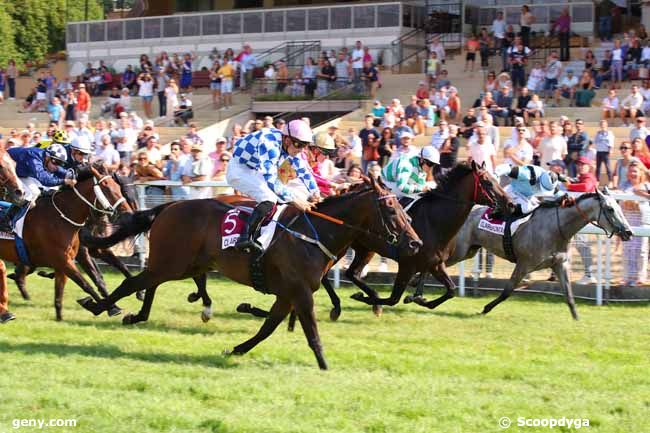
<point x="406" y="176"/>
<point x="262" y="163"/>
<point x="322" y="148"/>
<point x="37" y="168"/>
<point x="78" y="151"/>
<point x="59" y="137"/>
<point x="527" y="182"/>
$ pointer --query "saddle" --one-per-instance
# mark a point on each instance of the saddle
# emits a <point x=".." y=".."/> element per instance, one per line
<point x="16" y="235"/>
<point x="505" y="227"/>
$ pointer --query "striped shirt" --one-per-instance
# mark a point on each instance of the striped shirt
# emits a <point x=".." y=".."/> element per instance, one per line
<point x="262" y="151"/>
<point x="406" y="173"/>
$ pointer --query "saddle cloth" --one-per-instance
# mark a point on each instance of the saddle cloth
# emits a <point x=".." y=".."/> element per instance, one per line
<point x="497" y="226"/>
<point x="235" y="220"/>
<point x="18" y="223"/>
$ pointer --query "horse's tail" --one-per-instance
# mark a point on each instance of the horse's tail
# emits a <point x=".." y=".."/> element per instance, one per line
<point x="128" y="225"/>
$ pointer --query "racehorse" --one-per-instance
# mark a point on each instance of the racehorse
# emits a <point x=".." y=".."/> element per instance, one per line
<point x="52" y="227"/>
<point x="12" y="190"/>
<point x="540" y="243"/>
<point x="437" y="216"/>
<point x="293" y="264"/>
<point x="85" y="256"/>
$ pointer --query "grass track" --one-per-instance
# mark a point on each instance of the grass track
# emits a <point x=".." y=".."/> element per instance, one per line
<point x="409" y="371"/>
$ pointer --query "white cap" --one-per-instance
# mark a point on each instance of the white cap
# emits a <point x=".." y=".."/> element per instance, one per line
<point x="430" y="154"/>
<point x="406" y="135"/>
<point x="82" y="144"/>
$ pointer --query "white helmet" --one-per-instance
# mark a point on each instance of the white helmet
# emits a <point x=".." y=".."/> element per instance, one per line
<point x="431" y="154"/>
<point x="299" y="130"/>
<point x="324" y="141"/>
<point x="82" y="144"/>
<point x="57" y="152"/>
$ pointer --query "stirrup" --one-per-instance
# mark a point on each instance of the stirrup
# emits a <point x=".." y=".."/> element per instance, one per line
<point x="248" y="245"/>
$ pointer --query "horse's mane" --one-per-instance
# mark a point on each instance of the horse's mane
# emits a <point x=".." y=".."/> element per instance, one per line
<point x="84" y="172"/>
<point x="449" y="180"/>
<point x="586" y="196"/>
<point x="356" y="190"/>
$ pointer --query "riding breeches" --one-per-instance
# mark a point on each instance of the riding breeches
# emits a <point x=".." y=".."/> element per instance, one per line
<point x="528" y="204"/>
<point x="32" y="188"/>
<point x="249" y="182"/>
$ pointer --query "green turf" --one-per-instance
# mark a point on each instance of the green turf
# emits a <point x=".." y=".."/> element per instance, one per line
<point x="409" y="371"/>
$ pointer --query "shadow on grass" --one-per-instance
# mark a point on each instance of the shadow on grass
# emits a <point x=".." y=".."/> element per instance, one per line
<point x="113" y="352"/>
<point x="205" y="329"/>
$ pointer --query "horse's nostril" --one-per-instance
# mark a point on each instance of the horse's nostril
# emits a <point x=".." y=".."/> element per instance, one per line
<point x="415" y="244"/>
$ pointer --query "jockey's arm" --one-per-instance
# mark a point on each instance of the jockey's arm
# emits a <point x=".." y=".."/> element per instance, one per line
<point x="269" y="170"/>
<point x="405" y="181"/>
<point x="305" y="175"/>
<point x="46" y="178"/>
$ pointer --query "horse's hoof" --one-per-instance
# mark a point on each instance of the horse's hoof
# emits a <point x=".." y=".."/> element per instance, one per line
<point x="128" y="319"/>
<point x="193" y="297"/>
<point x="408" y="299"/>
<point x="206" y="314"/>
<point x="140" y="295"/>
<point x="421" y="301"/>
<point x="89" y="304"/>
<point x="25" y="296"/>
<point x="378" y="310"/>
<point x="48" y="275"/>
<point x="7" y="316"/>
<point x="359" y="296"/>
<point x="335" y="313"/>
<point x="244" y="308"/>
<point x="114" y="311"/>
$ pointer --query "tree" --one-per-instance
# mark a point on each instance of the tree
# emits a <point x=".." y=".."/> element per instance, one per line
<point x="7" y="36"/>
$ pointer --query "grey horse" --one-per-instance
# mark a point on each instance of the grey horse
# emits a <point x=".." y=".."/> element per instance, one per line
<point x="540" y="243"/>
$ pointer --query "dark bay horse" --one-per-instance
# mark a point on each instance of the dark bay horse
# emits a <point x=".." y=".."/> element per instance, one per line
<point x="437" y="217"/>
<point x="86" y="256"/>
<point x="52" y="227"/>
<point x="185" y="242"/>
<point x="12" y="190"/>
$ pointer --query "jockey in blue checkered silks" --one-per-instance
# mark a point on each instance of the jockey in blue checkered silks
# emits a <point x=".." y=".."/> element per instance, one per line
<point x="263" y="162"/>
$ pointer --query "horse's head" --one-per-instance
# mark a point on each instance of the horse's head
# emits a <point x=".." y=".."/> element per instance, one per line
<point x="9" y="180"/>
<point x="392" y="222"/>
<point x="608" y="216"/>
<point x="106" y="194"/>
<point x="487" y="190"/>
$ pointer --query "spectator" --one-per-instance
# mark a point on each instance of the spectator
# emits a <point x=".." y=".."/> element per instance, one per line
<point x="396" y="107"/>
<point x="175" y="164"/>
<point x="518" y="153"/>
<point x="145" y="91"/>
<point x="422" y="92"/>
<point x="247" y="63"/>
<point x="411" y="111"/>
<point x="186" y="72"/>
<point x="563" y="26"/>
<point x="534" y="108"/>
<point x="640" y="131"/>
<point x="426" y="116"/>
<point x="354" y="144"/>
<point x="585" y="93"/>
<point x="126" y="138"/>
<point x="522" y="104"/>
<point x="577" y="144"/>
<point x="282" y="77"/>
<point x="469" y="122"/>
<point x="610" y="105"/>
<point x="641" y="152"/>
<point x="386" y="145"/>
<point x="631" y="105"/>
<point x="124" y="104"/>
<point x="324" y="77"/>
<point x="491" y="84"/>
<point x="432" y="68"/>
<point x="472" y="46"/>
<point x="357" y="65"/>
<point x="482" y="150"/>
<point x="309" y="72"/>
<point x="518" y="56"/>
<point x="128" y="78"/>
<point x="12" y="74"/>
<point x="437" y="47"/>
<point x="526" y="20"/>
<point x="378" y="112"/>
<point x="83" y="100"/>
<point x="635" y="251"/>
<point x="198" y="169"/>
<point x="343" y="71"/>
<point x="536" y="78"/>
<point x="109" y="104"/>
<point x="371" y="78"/>
<point x="485" y="43"/>
<point x="605" y="71"/>
<point x="136" y="121"/>
<point x="105" y="151"/>
<point x="567" y="88"/>
<point x="499" y="32"/>
<point x="438" y="138"/>
<point x="590" y="63"/>
<point x="215" y="84"/>
<point x="502" y="107"/>
<point x="622" y="165"/>
<point x="56" y="111"/>
<point x="454" y="105"/>
<point x="604" y="12"/>
<point x="368" y="131"/>
<point x="226" y="73"/>
<point x="604" y="141"/>
<point x="449" y="149"/>
<point x="389" y="118"/>
<point x="101" y="130"/>
<point x="553" y="146"/>
<point x="552" y="75"/>
<point x="443" y="80"/>
<point x="617" y="63"/>
<point x="504" y="82"/>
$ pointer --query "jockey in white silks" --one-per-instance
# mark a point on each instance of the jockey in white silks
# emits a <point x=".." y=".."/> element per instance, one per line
<point x="261" y="165"/>
<point x="527" y="183"/>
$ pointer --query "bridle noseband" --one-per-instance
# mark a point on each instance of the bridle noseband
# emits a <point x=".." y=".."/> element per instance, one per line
<point x="107" y="207"/>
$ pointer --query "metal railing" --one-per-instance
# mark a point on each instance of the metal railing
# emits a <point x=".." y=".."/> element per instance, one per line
<point x="293" y="53"/>
<point x="408" y="47"/>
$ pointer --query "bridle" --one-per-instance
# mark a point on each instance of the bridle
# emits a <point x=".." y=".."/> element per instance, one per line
<point x="588" y="220"/>
<point x="106" y="207"/>
<point x="478" y="189"/>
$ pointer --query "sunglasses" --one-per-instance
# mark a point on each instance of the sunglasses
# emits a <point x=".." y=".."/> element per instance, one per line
<point x="299" y="143"/>
<point x="225" y="160"/>
<point x="142" y="159"/>
<point x="427" y="163"/>
<point x="624" y="148"/>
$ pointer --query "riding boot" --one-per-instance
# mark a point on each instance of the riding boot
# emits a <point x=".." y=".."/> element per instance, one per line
<point x="7" y="219"/>
<point x="247" y="241"/>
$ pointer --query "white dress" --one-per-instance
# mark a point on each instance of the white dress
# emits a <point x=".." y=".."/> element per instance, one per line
<point x="172" y="100"/>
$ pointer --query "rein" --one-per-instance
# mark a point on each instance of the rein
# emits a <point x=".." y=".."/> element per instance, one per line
<point x="478" y="187"/>
<point x="108" y="209"/>
<point x="584" y="217"/>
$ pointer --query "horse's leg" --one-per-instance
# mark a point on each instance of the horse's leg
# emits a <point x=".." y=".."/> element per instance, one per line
<point x="20" y="276"/>
<point x="440" y="272"/>
<point x="111" y="259"/>
<point x="304" y="306"/>
<point x="128" y="287"/>
<point x="201" y="283"/>
<point x="419" y="288"/>
<point x="561" y="270"/>
<point x="59" y="284"/>
<point x="145" y="309"/>
<point x="90" y="267"/>
<point x="247" y="308"/>
<point x="334" y="298"/>
<point x="404" y="275"/>
<point x="5" y="314"/>
<point x="515" y="279"/>
<point x="70" y="269"/>
<point x="292" y="320"/>
<point x="279" y="311"/>
<point x="361" y="259"/>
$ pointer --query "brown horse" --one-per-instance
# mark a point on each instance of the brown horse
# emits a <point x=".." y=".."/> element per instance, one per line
<point x="52" y="227"/>
<point x="292" y="267"/>
<point x="13" y="192"/>
<point x="85" y="256"/>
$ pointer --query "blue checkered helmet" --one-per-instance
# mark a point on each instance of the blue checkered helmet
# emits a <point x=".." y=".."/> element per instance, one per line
<point x="57" y="152"/>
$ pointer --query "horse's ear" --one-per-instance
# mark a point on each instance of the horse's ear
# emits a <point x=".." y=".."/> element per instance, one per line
<point x="473" y="165"/>
<point x="373" y="183"/>
<point x="605" y="190"/>
<point x="483" y="166"/>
